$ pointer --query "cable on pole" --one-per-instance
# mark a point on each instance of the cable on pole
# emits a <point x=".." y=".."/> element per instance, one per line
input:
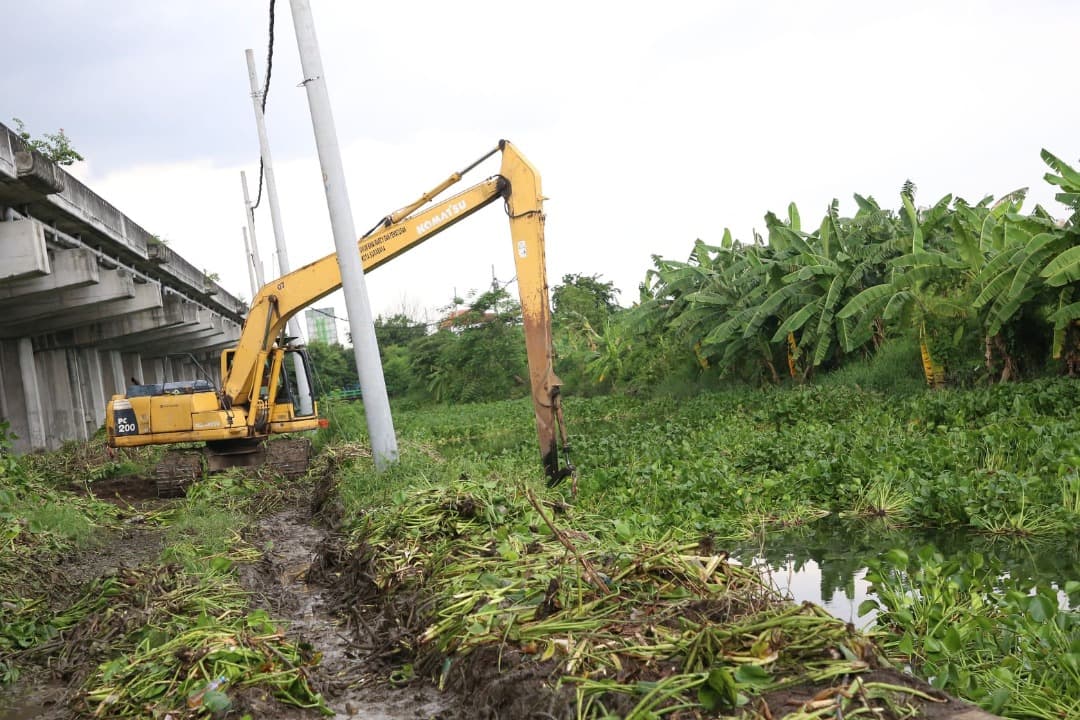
<point x="265" y="93"/>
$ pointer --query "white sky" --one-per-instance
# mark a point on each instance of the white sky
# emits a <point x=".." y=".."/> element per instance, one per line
<point x="651" y="124"/>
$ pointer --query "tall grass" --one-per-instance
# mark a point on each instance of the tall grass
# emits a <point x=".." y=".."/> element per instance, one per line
<point x="894" y="369"/>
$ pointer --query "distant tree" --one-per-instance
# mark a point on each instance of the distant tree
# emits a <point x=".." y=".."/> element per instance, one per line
<point x="332" y="367"/>
<point x="398" y="329"/>
<point x="585" y="296"/>
<point x="477" y="354"/>
<point x="397" y="369"/>
<point x="55" y="146"/>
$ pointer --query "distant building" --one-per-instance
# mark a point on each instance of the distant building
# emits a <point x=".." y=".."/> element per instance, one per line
<point x="321" y="325"/>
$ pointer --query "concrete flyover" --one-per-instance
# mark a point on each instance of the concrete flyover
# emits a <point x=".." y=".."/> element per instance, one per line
<point x="89" y="301"/>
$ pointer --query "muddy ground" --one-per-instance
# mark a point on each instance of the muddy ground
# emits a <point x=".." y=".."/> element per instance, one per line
<point x="356" y="682"/>
<point x="353" y="676"/>
<point x="365" y="670"/>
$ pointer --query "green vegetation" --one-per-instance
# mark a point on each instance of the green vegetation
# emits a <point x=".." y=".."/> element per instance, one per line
<point x="985" y="291"/>
<point x="974" y="631"/>
<point x="484" y="573"/>
<point x="1002" y="461"/>
<point x="36" y="516"/>
<point x="197" y="640"/>
<point x="55" y="146"/>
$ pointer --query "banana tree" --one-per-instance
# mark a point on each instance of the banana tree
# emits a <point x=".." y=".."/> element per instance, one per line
<point x="1063" y="270"/>
<point x="1032" y="269"/>
<point x="831" y="266"/>
<point x="923" y="284"/>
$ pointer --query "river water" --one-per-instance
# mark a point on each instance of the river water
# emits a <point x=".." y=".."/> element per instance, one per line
<point x="825" y="562"/>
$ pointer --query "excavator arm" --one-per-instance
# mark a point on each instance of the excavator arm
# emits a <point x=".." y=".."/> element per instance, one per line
<point x="518" y="185"/>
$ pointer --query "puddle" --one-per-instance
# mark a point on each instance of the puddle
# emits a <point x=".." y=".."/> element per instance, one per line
<point x="24" y="701"/>
<point x="805" y="581"/>
<point x="826" y="562"/>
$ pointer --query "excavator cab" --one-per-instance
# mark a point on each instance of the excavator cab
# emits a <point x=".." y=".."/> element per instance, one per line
<point x="284" y="384"/>
<point x="292" y="390"/>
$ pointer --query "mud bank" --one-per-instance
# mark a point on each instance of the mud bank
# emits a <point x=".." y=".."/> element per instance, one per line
<point x="355" y="680"/>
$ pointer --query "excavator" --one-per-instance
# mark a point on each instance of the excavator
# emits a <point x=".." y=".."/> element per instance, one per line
<point x="260" y="394"/>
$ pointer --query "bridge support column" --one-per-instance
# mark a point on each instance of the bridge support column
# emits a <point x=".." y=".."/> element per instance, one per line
<point x="158" y="366"/>
<point x="14" y="400"/>
<point x="116" y="373"/>
<point x="76" y="389"/>
<point x="5" y="413"/>
<point x="133" y="368"/>
<point x="35" y="419"/>
<point x="58" y="401"/>
<point x="95" y="388"/>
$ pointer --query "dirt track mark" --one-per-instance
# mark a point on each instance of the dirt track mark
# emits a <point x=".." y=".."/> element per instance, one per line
<point x="354" y="684"/>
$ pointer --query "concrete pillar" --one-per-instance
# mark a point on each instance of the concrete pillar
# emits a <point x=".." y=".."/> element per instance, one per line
<point x="158" y="366"/>
<point x="5" y="413"/>
<point x="57" y="400"/>
<point x="95" y="388"/>
<point x="116" y="366"/>
<point x="12" y="391"/>
<point x="213" y="366"/>
<point x="133" y="369"/>
<point x="35" y="418"/>
<point x="76" y="384"/>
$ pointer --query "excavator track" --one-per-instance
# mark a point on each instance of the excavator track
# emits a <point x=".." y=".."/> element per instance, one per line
<point x="288" y="457"/>
<point x="178" y="469"/>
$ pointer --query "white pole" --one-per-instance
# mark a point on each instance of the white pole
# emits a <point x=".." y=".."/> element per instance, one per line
<point x="250" y="262"/>
<point x="365" y="346"/>
<point x="255" y="259"/>
<point x="307" y="406"/>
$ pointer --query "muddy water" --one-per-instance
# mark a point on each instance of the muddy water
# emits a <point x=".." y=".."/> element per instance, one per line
<point x="32" y="705"/>
<point x="355" y="686"/>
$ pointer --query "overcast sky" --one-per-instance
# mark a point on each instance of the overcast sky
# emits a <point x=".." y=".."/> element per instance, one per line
<point x="652" y="124"/>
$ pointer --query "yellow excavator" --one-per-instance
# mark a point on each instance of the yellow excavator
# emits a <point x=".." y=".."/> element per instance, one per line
<point x="259" y="396"/>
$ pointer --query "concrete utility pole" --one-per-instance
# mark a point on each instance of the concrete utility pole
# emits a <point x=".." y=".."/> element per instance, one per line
<point x="365" y="346"/>
<point x="256" y="261"/>
<point x="307" y="406"/>
<point x="250" y="264"/>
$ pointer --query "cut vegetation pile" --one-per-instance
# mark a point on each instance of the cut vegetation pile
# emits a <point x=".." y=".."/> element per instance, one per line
<point x="532" y="610"/>
<point x="109" y="610"/>
<point x="144" y="643"/>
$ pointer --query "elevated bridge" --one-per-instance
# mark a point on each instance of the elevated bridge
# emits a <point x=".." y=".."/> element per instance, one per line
<point x="89" y="302"/>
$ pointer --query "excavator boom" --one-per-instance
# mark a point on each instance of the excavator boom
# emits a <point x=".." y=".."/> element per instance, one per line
<point x="518" y="185"/>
